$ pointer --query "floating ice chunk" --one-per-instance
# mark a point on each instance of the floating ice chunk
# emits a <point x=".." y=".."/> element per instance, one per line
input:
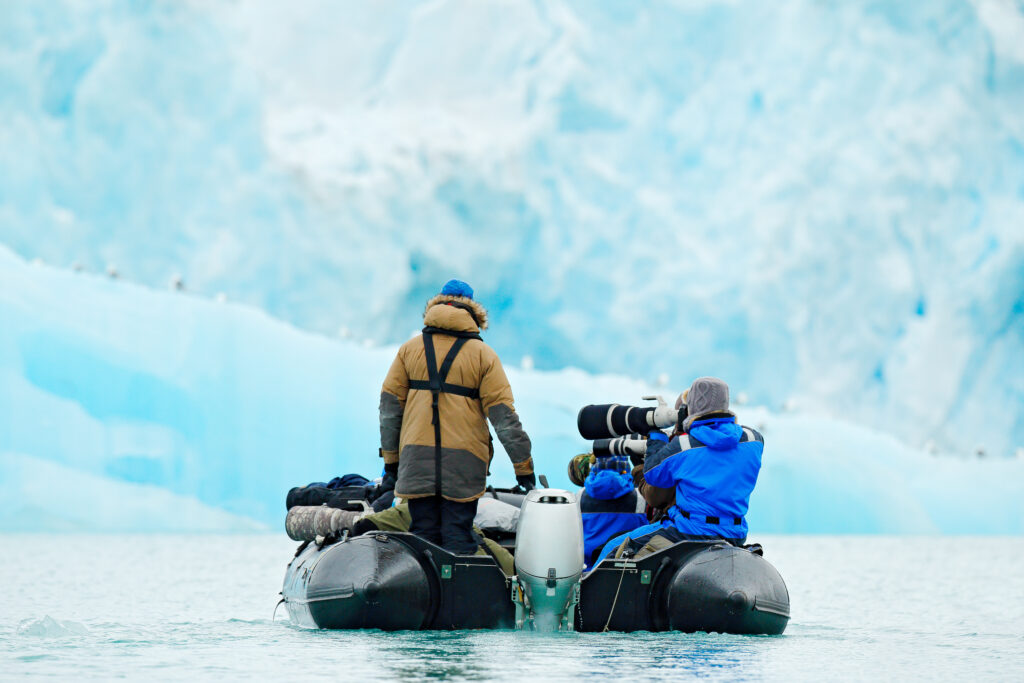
<point x="48" y="627"/>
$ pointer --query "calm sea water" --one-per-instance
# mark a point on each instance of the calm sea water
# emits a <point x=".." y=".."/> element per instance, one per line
<point x="175" y="607"/>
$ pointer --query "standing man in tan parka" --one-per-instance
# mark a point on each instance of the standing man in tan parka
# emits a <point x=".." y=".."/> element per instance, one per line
<point x="437" y="397"/>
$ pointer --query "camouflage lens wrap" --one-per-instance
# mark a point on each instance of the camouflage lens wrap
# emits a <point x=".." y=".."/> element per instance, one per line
<point x="306" y="522"/>
<point x="579" y="468"/>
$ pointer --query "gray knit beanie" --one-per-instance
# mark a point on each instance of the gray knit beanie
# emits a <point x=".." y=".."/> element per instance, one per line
<point x="707" y="396"/>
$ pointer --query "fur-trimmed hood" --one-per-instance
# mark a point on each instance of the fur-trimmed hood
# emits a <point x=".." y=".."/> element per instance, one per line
<point x="478" y="312"/>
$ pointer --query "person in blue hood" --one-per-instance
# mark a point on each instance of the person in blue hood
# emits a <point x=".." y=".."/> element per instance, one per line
<point x="713" y="468"/>
<point x="609" y="504"/>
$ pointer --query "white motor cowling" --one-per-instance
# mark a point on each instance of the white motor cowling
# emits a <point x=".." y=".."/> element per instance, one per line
<point x="549" y="560"/>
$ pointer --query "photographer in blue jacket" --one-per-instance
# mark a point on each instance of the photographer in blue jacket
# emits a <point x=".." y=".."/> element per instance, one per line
<point x="712" y="466"/>
<point x="609" y="505"/>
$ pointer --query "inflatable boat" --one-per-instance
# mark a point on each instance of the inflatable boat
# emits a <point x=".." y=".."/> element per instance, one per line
<point x="397" y="581"/>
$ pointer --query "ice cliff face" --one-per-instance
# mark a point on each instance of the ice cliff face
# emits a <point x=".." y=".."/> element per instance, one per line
<point x="821" y="204"/>
<point x="124" y="409"/>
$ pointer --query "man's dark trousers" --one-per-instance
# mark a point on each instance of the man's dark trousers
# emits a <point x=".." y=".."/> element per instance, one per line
<point x="445" y="523"/>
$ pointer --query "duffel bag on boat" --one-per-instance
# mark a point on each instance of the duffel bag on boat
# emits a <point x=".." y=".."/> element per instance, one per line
<point x="344" y="498"/>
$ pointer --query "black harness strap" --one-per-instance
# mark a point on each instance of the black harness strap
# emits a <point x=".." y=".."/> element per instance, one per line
<point x="713" y="520"/>
<point x="446" y="388"/>
<point x="457" y="389"/>
<point x="436" y="385"/>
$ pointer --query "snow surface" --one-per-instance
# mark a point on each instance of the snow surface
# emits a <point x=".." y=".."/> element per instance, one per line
<point x="820" y="202"/>
<point x="127" y="409"/>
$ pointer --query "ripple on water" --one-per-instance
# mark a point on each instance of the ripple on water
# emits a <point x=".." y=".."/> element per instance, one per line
<point x="36" y="658"/>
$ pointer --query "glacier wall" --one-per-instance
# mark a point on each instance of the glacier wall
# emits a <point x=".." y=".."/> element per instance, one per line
<point x="820" y="203"/>
<point x="128" y="409"/>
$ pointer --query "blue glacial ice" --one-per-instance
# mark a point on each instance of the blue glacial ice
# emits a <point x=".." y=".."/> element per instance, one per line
<point x="819" y="202"/>
<point x="128" y="409"/>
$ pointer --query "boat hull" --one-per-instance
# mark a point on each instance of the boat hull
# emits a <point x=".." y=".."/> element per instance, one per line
<point x="397" y="581"/>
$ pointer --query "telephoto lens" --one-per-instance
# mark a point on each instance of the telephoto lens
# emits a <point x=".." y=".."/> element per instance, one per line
<point x="634" y="444"/>
<point x="605" y="420"/>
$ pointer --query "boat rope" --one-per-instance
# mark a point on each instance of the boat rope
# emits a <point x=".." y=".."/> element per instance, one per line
<point x="616" y="599"/>
<point x="273" y="616"/>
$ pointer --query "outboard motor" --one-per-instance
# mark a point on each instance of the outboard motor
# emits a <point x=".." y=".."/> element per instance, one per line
<point x="549" y="561"/>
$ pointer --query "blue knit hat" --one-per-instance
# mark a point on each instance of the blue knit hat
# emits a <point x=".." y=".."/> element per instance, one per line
<point x="457" y="288"/>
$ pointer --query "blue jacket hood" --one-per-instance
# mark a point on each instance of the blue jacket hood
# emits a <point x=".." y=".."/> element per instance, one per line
<point x="608" y="484"/>
<point x="718" y="434"/>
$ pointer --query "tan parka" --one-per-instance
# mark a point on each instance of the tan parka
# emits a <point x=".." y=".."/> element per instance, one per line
<point x="406" y="427"/>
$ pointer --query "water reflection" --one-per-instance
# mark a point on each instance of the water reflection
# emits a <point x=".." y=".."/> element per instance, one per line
<point x="478" y="655"/>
